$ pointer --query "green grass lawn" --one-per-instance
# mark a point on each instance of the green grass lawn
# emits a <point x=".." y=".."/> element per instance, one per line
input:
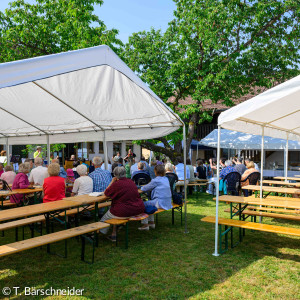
<point x="165" y="263"/>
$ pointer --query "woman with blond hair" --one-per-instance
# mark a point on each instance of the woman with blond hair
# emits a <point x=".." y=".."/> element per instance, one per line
<point x="250" y="169"/>
<point x="21" y="182"/>
<point x="54" y="185"/>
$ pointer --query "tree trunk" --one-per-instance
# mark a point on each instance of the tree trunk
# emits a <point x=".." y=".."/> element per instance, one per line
<point x="172" y="154"/>
<point x="191" y="131"/>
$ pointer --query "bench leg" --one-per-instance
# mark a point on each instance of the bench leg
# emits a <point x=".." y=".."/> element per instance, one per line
<point x="172" y="216"/>
<point x="93" y="240"/>
<point x="48" y="229"/>
<point x="126" y="235"/>
<point x="23" y="233"/>
<point x="17" y="233"/>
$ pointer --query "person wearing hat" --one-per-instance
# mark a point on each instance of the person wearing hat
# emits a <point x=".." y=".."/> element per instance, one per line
<point x="38" y="152"/>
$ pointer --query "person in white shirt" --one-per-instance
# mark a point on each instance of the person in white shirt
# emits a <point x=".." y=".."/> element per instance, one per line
<point x="179" y="170"/>
<point x="84" y="184"/>
<point x="109" y="166"/>
<point x="39" y="173"/>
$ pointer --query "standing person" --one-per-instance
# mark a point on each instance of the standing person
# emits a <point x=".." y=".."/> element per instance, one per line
<point x="21" y="182"/>
<point x="54" y="185"/>
<point x="84" y="184"/>
<point x="128" y="168"/>
<point x="38" y="152"/>
<point x="101" y="178"/>
<point x="126" y="200"/>
<point x="161" y="196"/>
<point x="9" y="175"/>
<point x="239" y="166"/>
<point x="129" y="155"/>
<point x="39" y="173"/>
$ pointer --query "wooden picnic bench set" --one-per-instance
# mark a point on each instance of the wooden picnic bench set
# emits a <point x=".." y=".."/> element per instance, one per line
<point x="38" y="214"/>
<point x="252" y="207"/>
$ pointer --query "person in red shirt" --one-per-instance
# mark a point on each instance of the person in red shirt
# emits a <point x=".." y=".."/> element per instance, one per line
<point x="126" y="200"/>
<point x="54" y="186"/>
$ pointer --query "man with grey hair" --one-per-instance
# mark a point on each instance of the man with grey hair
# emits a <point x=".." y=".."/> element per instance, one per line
<point x="62" y="172"/>
<point x="101" y="178"/>
<point x="140" y="170"/>
<point x="239" y="166"/>
<point x="39" y="173"/>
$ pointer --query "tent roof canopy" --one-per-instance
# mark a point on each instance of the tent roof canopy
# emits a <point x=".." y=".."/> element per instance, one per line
<point x="243" y="141"/>
<point x="75" y="96"/>
<point x="277" y="111"/>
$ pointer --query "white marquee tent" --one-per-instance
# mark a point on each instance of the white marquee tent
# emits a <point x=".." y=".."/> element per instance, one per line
<point x="78" y="96"/>
<point x="243" y="141"/>
<point x="274" y="113"/>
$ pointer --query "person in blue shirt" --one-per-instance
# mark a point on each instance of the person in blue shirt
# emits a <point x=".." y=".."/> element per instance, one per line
<point x="62" y="171"/>
<point x="161" y="195"/>
<point x="101" y="178"/>
<point x="179" y="170"/>
<point x="228" y="169"/>
<point x="140" y="170"/>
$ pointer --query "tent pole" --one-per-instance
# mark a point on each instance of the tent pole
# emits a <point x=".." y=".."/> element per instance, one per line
<point x="262" y="166"/>
<point x="105" y="151"/>
<point x="197" y="151"/>
<point x="286" y="158"/>
<point x="48" y="150"/>
<point x="217" y="194"/>
<point x="185" y="196"/>
<point x="7" y="152"/>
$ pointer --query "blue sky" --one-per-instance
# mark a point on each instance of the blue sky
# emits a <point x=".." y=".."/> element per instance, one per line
<point x="130" y="16"/>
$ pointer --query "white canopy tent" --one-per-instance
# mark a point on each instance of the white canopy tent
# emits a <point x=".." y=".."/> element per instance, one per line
<point x="243" y="141"/>
<point x="79" y="96"/>
<point x="274" y="113"/>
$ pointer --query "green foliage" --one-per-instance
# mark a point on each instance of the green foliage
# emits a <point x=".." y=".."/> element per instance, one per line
<point x="47" y="27"/>
<point x="53" y="148"/>
<point x="218" y="50"/>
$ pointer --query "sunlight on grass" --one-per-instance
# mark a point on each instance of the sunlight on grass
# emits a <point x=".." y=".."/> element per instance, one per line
<point x="165" y="263"/>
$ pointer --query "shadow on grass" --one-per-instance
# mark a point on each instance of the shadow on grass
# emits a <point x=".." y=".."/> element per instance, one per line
<point x="164" y="263"/>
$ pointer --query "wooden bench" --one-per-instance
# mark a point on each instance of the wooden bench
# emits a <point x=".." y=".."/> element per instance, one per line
<point x="55" y="237"/>
<point x="121" y="222"/>
<point x="266" y="214"/>
<point x="247" y="225"/>
<point x="7" y="203"/>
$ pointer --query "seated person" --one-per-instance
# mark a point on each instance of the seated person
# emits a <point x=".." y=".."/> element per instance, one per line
<point x="179" y="170"/>
<point x="84" y="184"/>
<point x="39" y="173"/>
<point x="228" y="169"/>
<point x="239" y="166"/>
<point x="161" y="196"/>
<point x="54" y="186"/>
<point x="101" y="178"/>
<point x="201" y="170"/>
<point x="9" y="175"/>
<point x="140" y="170"/>
<point x="151" y="169"/>
<point x="126" y="200"/>
<point x="171" y="176"/>
<point x="62" y="171"/>
<point x="20" y="182"/>
<point x="250" y="169"/>
<point x="191" y="170"/>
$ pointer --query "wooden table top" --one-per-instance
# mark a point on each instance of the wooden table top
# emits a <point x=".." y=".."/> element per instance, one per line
<point x="7" y="193"/>
<point x="28" y="191"/>
<point x="201" y="180"/>
<point x="37" y="209"/>
<point x="273" y="189"/>
<point x="258" y="201"/>
<point x="288" y="178"/>
<point x="277" y="182"/>
<point x="86" y="199"/>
